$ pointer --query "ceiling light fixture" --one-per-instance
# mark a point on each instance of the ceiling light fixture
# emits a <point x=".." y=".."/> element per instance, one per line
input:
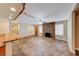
<point x="40" y="22"/>
<point x="10" y="17"/>
<point x="13" y="9"/>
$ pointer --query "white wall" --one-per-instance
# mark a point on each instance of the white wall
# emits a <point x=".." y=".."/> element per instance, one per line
<point x="64" y="35"/>
<point x="26" y="30"/>
<point x="71" y="32"/>
<point x="40" y="29"/>
<point x="4" y="26"/>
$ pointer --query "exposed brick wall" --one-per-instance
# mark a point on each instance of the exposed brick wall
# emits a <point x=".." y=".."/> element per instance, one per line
<point x="49" y="28"/>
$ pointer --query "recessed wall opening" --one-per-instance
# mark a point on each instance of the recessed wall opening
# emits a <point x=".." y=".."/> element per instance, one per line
<point x="48" y="35"/>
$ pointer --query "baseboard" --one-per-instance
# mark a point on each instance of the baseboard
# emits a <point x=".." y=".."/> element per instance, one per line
<point x="72" y="51"/>
<point x="26" y="37"/>
<point x="60" y="39"/>
<point x="77" y="49"/>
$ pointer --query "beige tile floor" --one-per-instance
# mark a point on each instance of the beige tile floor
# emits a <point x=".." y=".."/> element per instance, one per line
<point x="40" y="46"/>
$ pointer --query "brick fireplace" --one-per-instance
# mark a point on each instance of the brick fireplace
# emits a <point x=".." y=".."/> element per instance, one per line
<point x="49" y="30"/>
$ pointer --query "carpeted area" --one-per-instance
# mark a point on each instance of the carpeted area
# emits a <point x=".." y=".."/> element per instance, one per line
<point x="40" y="46"/>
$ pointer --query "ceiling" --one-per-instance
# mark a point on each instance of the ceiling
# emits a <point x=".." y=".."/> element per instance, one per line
<point x="6" y="12"/>
<point x="47" y="12"/>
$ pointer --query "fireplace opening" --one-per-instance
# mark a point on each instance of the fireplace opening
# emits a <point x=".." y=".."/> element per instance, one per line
<point x="48" y="35"/>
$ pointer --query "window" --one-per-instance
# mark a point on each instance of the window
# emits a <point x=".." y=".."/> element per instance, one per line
<point x="59" y="29"/>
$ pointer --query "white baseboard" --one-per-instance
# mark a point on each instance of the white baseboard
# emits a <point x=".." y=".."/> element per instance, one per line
<point x="71" y="50"/>
<point x="77" y="49"/>
<point x="60" y="39"/>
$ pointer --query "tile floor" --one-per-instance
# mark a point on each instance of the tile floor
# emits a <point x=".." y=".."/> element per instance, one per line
<point x="40" y="46"/>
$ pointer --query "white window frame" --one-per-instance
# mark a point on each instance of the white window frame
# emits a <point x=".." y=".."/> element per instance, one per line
<point x="59" y="29"/>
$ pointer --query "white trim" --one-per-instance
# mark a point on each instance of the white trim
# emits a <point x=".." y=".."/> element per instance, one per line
<point x="77" y="49"/>
<point x="71" y="50"/>
<point x="61" y="39"/>
<point x="9" y="49"/>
